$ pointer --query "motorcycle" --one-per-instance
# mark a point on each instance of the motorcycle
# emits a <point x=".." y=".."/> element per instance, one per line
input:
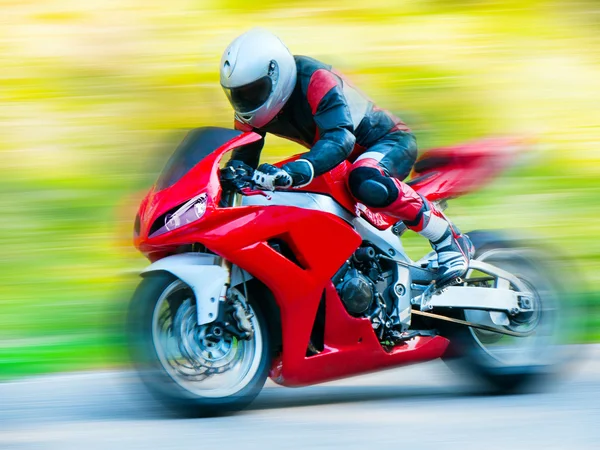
<point x="306" y="286"/>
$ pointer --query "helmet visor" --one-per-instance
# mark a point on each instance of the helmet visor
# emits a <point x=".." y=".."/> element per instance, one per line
<point x="250" y="96"/>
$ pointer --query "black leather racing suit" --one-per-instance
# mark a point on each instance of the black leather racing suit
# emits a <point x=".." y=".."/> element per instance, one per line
<point x="337" y="122"/>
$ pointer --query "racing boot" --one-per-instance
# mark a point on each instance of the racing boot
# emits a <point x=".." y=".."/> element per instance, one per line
<point x="453" y="248"/>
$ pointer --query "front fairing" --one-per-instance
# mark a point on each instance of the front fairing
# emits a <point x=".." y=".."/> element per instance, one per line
<point x="176" y="186"/>
<point x="320" y="243"/>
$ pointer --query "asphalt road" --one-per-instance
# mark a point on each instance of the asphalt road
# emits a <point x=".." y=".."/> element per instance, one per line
<point x="418" y="407"/>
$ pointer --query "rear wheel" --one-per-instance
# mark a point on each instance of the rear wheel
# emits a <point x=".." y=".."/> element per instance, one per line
<point x="195" y="370"/>
<point x="508" y="363"/>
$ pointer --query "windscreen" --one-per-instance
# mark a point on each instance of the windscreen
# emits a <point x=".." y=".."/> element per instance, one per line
<point x="197" y="144"/>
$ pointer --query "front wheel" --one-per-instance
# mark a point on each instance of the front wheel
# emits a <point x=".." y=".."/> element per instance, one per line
<point x="195" y="370"/>
<point x="507" y="363"/>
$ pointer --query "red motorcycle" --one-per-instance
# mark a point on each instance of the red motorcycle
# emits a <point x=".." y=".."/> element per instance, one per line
<point x="306" y="286"/>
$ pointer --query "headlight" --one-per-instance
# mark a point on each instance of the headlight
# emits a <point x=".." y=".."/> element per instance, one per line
<point x="187" y="213"/>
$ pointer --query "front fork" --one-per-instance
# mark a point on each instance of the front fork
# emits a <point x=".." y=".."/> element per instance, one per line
<point x="234" y="199"/>
<point x="241" y="314"/>
<point x="227" y="266"/>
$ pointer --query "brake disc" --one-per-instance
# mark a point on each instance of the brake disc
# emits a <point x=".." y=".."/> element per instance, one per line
<point x="208" y="349"/>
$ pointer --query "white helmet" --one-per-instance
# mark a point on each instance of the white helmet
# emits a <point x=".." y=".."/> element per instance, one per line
<point x="258" y="75"/>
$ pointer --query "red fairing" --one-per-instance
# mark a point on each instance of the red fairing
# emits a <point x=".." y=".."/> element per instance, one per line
<point x="350" y="347"/>
<point x="202" y="178"/>
<point x="321" y="243"/>
<point x="335" y="184"/>
<point x="439" y="174"/>
<point x="448" y="172"/>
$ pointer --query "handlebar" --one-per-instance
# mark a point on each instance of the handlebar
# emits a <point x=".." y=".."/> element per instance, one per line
<point x="238" y="178"/>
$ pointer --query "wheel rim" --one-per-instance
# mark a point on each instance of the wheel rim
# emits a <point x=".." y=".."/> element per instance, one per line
<point x="204" y="360"/>
<point x="535" y="349"/>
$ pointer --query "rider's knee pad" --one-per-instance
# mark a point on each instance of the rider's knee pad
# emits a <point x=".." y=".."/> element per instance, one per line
<point x="371" y="188"/>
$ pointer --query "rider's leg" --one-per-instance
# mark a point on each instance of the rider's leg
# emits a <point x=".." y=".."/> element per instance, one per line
<point x="375" y="181"/>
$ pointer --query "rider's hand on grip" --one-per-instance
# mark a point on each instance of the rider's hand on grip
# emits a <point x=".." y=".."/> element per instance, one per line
<point x="236" y="174"/>
<point x="269" y="177"/>
<point x="240" y="168"/>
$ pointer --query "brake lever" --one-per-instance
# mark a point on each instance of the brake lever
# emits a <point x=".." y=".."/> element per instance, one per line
<point x="251" y="192"/>
<point x="245" y="186"/>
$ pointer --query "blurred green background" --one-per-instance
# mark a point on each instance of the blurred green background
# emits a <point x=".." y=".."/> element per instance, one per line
<point x="94" y="95"/>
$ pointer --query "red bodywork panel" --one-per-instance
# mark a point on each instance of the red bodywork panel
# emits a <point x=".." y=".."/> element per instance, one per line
<point x="445" y="172"/>
<point x="335" y="184"/>
<point x="321" y="243"/>
<point x="449" y="172"/>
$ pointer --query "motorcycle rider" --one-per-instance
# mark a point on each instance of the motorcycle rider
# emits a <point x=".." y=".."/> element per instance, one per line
<point x="306" y="101"/>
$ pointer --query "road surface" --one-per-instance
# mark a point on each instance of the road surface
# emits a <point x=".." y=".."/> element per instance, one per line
<point x="417" y="407"/>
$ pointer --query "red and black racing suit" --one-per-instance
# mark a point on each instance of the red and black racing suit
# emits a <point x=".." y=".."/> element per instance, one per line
<point x="337" y="122"/>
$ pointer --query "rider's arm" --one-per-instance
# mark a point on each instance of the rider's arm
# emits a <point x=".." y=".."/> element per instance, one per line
<point x="250" y="153"/>
<point x="336" y="131"/>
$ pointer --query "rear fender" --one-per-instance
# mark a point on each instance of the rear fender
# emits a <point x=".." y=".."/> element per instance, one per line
<point x="206" y="279"/>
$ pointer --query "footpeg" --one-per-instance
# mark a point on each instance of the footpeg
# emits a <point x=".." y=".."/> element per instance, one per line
<point x="452" y="282"/>
<point x="434" y="289"/>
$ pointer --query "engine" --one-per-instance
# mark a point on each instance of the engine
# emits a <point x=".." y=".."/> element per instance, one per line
<point x="363" y="284"/>
<point x="357" y="292"/>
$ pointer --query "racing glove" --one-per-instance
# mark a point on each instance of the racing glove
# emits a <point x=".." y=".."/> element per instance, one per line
<point x="295" y="174"/>
<point x="268" y="177"/>
<point x="239" y="167"/>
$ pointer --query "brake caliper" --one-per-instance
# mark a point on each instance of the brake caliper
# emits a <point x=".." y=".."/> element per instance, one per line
<point x="235" y="317"/>
<point x="242" y="317"/>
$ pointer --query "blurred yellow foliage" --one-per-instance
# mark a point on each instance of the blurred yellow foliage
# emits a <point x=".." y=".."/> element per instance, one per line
<point x="93" y="94"/>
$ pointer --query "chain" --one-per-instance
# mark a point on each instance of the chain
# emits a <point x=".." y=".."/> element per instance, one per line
<point x="473" y="325"/>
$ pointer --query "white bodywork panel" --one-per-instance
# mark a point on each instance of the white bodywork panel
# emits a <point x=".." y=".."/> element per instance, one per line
<point x="208" y="279"/>
<point x="385" y="240"/>
<point x="469" y="297"/>
<point x="199" y="272"/>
